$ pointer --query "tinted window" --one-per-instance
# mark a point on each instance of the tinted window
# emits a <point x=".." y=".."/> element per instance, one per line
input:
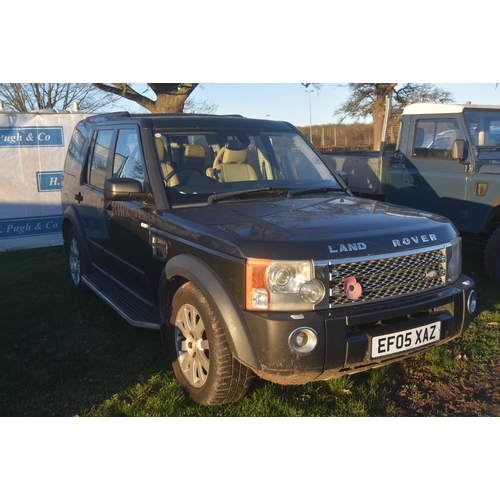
<point x="128" y="160"/>
<point x="99" y="159"/>
<point x="76" y="152"/>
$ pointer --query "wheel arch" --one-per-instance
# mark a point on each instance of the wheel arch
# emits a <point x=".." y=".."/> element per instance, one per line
<point x="492" y="220"/>
<point x="71" y="220"/>
<point x="492" y="257"/>
<point x="182" y="268"/>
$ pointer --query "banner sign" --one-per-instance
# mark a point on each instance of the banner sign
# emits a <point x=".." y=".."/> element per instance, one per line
<point x="49" y="181"/>
<point x="29" y="137"/>
<point x="33" y="226"/>
<point x="33" y="149"/>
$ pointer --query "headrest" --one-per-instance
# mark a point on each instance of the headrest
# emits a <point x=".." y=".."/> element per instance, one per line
<point x="162" y="152"/>
<point x="194" y="153"/>
<point x="237" y="145"/>
<point x="230" y="156"/>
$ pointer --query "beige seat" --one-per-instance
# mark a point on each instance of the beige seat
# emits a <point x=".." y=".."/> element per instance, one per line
<point x="194" y="154"/>
<point x="166" y="166"/>
<point x="230" y="166"/>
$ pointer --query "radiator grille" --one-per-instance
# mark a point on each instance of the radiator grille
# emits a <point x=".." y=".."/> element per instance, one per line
<point x="389" y="277"/>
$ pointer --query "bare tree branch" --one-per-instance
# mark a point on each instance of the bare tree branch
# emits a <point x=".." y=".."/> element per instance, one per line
<point x="126" y="91"/>
<point x="170" y="97"/>
<point x="368" y="99"/>
<point x="24" y="97"/>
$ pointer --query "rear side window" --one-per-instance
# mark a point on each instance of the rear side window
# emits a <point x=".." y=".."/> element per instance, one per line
<point x="76" y="153"/>
<point x="99" y="158"/>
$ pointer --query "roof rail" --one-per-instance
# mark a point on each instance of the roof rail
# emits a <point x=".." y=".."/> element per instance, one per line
<point x="110" y="116"/>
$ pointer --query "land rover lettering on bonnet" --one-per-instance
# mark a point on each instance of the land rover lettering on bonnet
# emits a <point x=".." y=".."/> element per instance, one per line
<point x="247" y="252"/>
<point x="348" y="247"/>
<point x="409" y="240"/>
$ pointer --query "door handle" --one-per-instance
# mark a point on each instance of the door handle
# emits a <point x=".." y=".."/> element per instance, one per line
<point x="79" y="197"/>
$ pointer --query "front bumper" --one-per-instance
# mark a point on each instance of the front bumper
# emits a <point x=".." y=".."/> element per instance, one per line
<point x="345" y="335"/>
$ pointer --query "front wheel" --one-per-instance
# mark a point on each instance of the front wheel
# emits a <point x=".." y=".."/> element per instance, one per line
<point x="492" y="257"/>
<point x="201" y="357"/>
<point x="75" y="262"/>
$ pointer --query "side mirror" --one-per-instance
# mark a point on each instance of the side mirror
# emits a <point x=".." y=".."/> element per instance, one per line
<point x="458" y="151"/>
<point x="343" y="175"/>
<point x="122" y="189"/>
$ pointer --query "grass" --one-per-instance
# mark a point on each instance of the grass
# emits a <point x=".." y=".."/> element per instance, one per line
<point x="64" y="354"/>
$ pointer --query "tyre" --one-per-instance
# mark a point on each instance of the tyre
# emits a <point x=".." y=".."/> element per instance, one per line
<point x="75" y="262"/>
<point x="492" y="257"/>
<point x="201" y="358"/>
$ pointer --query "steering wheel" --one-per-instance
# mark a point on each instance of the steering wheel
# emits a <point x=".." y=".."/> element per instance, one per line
<point x="199" y="170"/>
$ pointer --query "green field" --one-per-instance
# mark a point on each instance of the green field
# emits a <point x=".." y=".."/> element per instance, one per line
<point x="64" y="354"/>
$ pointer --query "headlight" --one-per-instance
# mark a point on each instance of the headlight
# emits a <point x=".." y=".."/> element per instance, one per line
<point x="454" y="260"/>
<point x="282" y="285"/>
<point x="288" y="276"/>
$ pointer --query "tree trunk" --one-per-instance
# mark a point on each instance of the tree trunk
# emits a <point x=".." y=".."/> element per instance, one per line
<point x="382" y="91"/>
<point x="170" y="97"/>
<point x="169" y="103"/>
<point x="378" y="121"/>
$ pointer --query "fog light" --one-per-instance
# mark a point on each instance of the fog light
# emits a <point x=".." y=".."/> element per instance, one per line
<point x="472" y="302"/>
<point x="303" y="340"/>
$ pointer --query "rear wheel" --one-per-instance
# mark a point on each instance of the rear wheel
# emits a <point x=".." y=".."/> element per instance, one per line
<point x="492" y="257"/>
<point x="201" y="357"/>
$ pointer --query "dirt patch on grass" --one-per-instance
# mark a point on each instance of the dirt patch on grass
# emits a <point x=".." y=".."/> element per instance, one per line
<point x="470" y="395"/>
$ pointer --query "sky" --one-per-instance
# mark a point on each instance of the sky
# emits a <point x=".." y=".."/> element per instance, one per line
<point x="301" y="106"/>
<point x="290" y="101"/>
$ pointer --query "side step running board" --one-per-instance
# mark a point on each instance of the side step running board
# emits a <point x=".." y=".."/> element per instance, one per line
<point x="124" y="303"/>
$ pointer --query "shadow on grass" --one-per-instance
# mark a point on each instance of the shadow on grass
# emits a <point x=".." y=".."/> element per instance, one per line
<point x="63" y="353"/>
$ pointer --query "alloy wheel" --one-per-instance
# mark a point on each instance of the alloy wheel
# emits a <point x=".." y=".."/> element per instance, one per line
<point x="192" y="345"/>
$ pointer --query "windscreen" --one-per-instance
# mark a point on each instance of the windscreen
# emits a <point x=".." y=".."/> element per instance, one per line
<point x="484" y="128"/>
<point x="195" y="166"/>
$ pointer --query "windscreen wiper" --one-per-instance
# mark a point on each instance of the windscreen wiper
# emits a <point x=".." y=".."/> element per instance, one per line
<point x="246" y="192"/>
<point x="300" y="192"/>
